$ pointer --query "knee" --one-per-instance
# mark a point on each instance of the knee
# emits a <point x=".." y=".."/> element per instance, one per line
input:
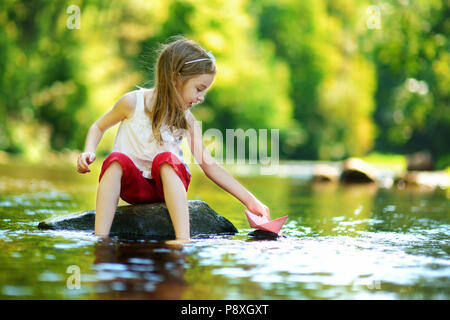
<point x="165" y="167"/>
<point x="115" y="167"/>
<point x="116" y="161"/>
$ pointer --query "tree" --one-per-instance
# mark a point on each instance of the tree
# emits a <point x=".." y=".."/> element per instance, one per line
<point x="332" y="82"/>
<point x="412" y="63"/>
<point x="251" y="86"/>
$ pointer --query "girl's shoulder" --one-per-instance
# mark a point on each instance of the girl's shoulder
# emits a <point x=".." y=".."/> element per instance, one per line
<point x="125" y="105"/>
<point x="128" y="102"/>
<point x="148" y="95"/>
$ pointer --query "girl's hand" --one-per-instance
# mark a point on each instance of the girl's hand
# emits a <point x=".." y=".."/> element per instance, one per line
<point x="84" y="160"/>
<point x="259" y="208"/>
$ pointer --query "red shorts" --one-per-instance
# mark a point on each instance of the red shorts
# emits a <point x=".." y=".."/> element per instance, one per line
<point x="134" y="187"/>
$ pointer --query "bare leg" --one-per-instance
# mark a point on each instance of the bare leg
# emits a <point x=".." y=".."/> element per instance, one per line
<point x="107" y="199"/>
<point x="176" y="201"/>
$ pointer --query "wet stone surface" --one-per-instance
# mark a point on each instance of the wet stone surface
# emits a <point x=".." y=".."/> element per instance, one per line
<point x="147" y="220"/>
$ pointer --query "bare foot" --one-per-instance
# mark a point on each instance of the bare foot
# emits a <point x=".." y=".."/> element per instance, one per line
<point x="177" y="242"/>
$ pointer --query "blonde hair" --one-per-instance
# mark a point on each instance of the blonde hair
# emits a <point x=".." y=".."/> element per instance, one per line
<point x="167" y="103"/>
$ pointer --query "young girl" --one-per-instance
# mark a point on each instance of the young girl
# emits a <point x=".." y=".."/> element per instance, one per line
<point x="147" y="164"/>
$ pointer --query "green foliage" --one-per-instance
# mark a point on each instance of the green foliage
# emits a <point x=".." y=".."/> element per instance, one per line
<point x="333" y="84"/>
<point x="251" y="86"/>
<point x="413" y="77"/>
<point x="40" y="88"/>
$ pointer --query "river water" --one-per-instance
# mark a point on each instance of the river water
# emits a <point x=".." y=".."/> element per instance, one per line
<point x="339" y="242"/>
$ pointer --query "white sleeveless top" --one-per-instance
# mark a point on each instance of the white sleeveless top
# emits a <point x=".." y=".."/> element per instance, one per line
<point x="135" y="139"/>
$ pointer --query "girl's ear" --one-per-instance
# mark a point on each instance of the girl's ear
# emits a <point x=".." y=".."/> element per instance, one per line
<point x="176" y="80"/>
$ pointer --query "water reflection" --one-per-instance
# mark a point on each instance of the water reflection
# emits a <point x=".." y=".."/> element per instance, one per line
<point x="340" y="241"/>
<point x="384" y="266"/>
<point x="338" y="206"/>
<point x="128" y="269"/>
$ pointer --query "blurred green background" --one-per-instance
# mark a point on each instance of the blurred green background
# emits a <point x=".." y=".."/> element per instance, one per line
<point x="338" y="78"/>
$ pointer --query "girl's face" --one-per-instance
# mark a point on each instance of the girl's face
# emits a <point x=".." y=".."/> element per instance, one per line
<point x="193" y="91"/>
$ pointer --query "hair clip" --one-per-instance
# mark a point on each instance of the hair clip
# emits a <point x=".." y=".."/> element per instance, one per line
<point x="210" y="57"/>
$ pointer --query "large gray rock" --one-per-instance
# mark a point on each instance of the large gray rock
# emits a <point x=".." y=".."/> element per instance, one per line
<point x="325" y="173"/>
<point x="420" y="161"/>
<point x="355" y="170"/>
<point x="430" y="179"/>
<point x="147" y="220"/>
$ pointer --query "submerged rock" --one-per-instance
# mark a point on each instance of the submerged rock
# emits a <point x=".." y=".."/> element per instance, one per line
<point x="325" y="173"/>
<point x="263" y="235"/>
<point x="148" y="220"/>
<point x="355" y="170"/>
<point x="420" y="161"/>
<point x="431" y="179"/>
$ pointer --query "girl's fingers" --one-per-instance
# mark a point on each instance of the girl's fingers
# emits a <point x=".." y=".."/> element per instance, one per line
<point x="83" y="170"/>
<point x="84" y="162"/>
<point x="80" y="169"/>
<point x="91" y="158"/>
<point x="82" y="165"/>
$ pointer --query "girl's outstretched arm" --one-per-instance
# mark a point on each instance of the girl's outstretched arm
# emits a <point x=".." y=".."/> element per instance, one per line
<point x="218" y="174"/>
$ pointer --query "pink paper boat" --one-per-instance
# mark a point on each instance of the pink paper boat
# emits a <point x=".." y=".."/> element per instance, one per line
<point x="264" y="224"/>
